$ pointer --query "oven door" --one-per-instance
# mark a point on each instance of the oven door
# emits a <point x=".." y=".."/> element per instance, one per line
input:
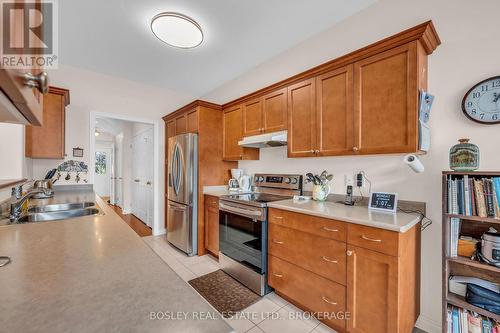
<point x="243" y="234"/>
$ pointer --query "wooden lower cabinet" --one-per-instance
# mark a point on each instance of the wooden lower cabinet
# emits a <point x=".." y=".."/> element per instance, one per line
<point x="309" y="291"/>
<point x="372" y="285"/>
<point x="212" y="224"/>
<point x="369" y="280"/>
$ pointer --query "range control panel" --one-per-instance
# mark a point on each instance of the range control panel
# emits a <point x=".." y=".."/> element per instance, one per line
<point x="293" y="182"/>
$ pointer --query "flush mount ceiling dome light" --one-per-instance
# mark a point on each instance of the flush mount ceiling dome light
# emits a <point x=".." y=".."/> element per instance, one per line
<point x="177" y="30"/>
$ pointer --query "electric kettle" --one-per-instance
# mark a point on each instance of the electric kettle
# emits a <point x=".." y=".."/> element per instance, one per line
<point x="245" y="183"/>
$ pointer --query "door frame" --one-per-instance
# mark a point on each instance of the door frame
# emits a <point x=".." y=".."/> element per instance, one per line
<point x="158" y="227"/>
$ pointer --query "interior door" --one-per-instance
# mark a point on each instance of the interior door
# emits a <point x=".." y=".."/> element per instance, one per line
<point x="386" y="102"/>
<point x="142" y="175"/>
<point x="102" y="171"/>
<point x="301" y="119"/>
<point x="335" y="112"/>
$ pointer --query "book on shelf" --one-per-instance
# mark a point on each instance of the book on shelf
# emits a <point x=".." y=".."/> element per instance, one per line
<point x="460" y="320"/>
<point x="471" y="195"/>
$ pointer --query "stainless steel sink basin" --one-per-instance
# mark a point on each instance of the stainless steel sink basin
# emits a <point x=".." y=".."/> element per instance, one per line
<point x="60" y="207"/>
<point x="58" y="215"/>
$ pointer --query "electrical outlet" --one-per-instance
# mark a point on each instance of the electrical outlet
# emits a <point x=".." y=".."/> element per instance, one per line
<point x="348" y="180"/>
<point x="359" y="179"/>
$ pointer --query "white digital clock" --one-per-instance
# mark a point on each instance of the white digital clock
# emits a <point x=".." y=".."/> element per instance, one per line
<point x="482" y="102"/>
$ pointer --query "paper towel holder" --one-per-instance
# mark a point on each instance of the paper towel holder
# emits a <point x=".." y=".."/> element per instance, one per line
<point x="414" y="163"/>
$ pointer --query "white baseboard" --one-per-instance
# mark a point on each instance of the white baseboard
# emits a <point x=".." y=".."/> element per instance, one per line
<point x="162" y="231"/>
<point x="429" y="325"/>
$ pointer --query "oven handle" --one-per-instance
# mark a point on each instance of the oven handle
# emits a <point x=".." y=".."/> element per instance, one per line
<point x="236" y="210"/>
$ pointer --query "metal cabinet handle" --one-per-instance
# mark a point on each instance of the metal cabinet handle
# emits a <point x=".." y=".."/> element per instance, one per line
<point x="371" y="239"/>
<point x="148" y="183"/>
<point x="330" y="230"/>
<point x="312" y="151"/>
<point x="278" y="275"/>
<point x="328" y="301"/>
<point x="329" y="260"/>
<point x="316" y="151"/>
<point x="278" y="217"/>
<point x="137" y="180"/>
<point x="39" y="81"/>
<point x="4" y="261"/>
<point x="355" y="148"/>
<point x="277" y="242"/>
<point x="349" y="253"/>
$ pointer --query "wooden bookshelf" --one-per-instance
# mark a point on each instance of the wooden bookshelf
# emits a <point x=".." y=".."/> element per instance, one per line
<point x="474" y="226"/>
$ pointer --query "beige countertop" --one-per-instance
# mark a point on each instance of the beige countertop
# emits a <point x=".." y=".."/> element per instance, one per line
<point x="400" y="222"/>
<point x="92" y="274"/>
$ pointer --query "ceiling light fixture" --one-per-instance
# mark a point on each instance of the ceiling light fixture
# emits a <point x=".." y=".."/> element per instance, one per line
<point x="177" y="30"/>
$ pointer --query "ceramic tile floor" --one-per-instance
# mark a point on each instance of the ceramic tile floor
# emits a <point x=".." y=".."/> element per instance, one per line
<point x="271" y="314"/>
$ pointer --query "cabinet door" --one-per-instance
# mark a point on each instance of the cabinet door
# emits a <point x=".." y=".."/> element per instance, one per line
<point x="232" y="133"/>
<point x="252" y="117"/>
<point x="301" y="119"/>
<point x="192" y="121"/>
<point x="275" y="111"/>
<point x="211" y="227"/>
<point x="170" y="127"/>
<point x="372" y="291"/>
<point x="335" y="112"/>
<point x="47" y="141"/>
<point x="27" y="100"/>
<point x="181" y="125"/>
<point x="386" y="102"/>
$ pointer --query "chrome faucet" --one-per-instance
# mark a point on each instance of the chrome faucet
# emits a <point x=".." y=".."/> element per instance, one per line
<point x="18" y="199"/>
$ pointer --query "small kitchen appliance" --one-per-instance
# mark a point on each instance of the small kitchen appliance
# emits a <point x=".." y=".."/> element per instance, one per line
<point x="490" y="248"/>
<point x="243" y="228"/>
<point x="233" y="183"/>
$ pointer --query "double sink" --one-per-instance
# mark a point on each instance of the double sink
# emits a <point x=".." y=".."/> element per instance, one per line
<point x="55" y="212"/>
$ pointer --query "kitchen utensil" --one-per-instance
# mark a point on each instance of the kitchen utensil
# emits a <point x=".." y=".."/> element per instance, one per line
<point x="245" y="183"/>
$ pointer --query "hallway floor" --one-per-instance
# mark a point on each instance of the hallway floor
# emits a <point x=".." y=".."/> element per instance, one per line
<point x="137" y="225"/>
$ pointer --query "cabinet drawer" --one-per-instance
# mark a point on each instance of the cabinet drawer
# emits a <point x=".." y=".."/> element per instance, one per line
<point x="315" y="225"/>
<point x="211" y="201"/>
<point x="323" y="256"/>
<point x="379" y="240"/>
<point x="309" y="290"/>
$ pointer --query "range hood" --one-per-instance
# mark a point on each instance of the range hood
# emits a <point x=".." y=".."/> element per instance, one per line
<point x="274" y="139"/>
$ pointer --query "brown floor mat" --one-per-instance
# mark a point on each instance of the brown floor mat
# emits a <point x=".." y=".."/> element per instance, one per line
<point x="224" y="293"/>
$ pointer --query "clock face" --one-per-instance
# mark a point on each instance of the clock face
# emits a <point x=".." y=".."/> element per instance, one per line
<point x="482" y="102"/>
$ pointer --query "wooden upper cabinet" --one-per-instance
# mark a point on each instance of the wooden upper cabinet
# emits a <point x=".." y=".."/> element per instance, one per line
<point x="192" y="121"/>
<point x="335" y="112"/>
<point x="29" y="101"/>
<point x="181" y="124"/>
<point x="386" y="102"/>
<point x="252" y="117"/>
<point x="48" y="140"/>
<point x="170" y="128"/>
<point x="372" y="291"/>
<point x="301" y="118"/>
<point x="274" y="110"/>
<point x="232" y="127"/>
<point x="232" y="132"/>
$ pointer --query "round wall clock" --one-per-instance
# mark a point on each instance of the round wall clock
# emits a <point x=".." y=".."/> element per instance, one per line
<point x="482" y="102"/>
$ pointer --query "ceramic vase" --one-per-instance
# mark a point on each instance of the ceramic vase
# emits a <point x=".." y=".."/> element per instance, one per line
<point x="464" y="156"/>
<point x="320" y="192"/>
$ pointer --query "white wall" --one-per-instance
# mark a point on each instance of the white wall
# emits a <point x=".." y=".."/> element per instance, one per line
<point x="467" y="55"/>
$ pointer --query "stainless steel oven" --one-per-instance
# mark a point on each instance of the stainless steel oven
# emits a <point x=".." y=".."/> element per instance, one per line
<point x="243" y="228"/>
<point x="243" y="243"/>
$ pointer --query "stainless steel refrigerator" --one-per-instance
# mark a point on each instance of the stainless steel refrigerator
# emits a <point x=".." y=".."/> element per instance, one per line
<point x="182" y="217"/>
